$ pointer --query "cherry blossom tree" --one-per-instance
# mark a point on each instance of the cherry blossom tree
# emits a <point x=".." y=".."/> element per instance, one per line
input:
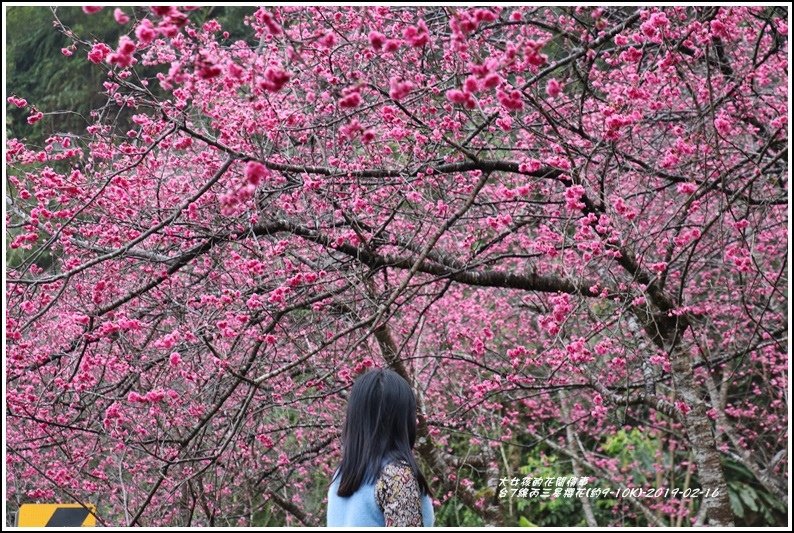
<point x="559" y="224"/>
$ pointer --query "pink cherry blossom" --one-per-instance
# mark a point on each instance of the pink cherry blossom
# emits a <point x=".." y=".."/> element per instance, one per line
<point x="399" y="88"/>
<point x="566" y="227"/>
<point x="120" y="17"/>
<point x="35" y="117"/>
<point x="553" y="88"/>
<point x="98" y="52"/>
<point x="275" y="78"/>
<point x="255" y="172"/>
<point x="19" y="102"/>
<point x="145" y="32"/>
<point x="377" y="39"/>
<point x="350" y="101"/>
<point x="687" y="187"/>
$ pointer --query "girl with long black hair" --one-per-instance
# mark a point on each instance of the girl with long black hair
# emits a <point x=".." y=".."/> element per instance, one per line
<point x="378" y="482"/>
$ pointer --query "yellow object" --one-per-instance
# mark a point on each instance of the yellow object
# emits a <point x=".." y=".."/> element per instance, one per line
<point x="56" y="515"/>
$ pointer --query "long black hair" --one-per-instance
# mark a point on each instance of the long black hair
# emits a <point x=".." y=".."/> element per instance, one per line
<point x="380" y="424"/>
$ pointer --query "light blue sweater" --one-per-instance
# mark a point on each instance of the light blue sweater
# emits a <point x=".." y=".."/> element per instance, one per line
<point x="361" y="508"/>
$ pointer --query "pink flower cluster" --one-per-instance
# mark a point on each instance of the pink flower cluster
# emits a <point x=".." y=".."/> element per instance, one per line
<point x="265" y="17"/>
<point x="19" y="102"/>
<point x="480" y="390"/>
<point x="468" y="21"/>
<point x="486" y="73"/>
<point x="687" y="187"/>
<point x="113" y="413"/>
<point x="652" y="27"/>
<point x="275" y="79"/>
<point x="207" y="70"/>
<point x="660" y="359"/>
<point x="98" y="52"/>
<point x="256" y="172"/>
<point x="145" y="32"/>
<point x="465" y="98"/>
<point x="265" y="440"/>
<point x="123" y="56"/>
<point x="573" y="198"/>
<point x="152" y="396"/>
<point x="417" y="35"/>
<point x="578" y="352"/>
<point x="510" y="99"/>
<point x="399" y="88"/>
<point x="363" y="365"/>
<point x="598" y="411"/>
<point x="687" y="236"/>
<point x="615" y="121"/>
<point x="20" y="240"/>
<point x="379" y="42"/>
<point x="168" y="341"/>
<point x="533" y="55"/>
<point x="631" y="55"/>
<point x="723" y="124"/>
<point x="350" y="130"/>
<point x="562" y="306"/>
<point x="500" y="221"/>
<point x="517" y="355"/>
<point x="553" y="88"/>
<point x="120" y="16"/>
<point x="351" y="98"/>
<point x="175" y="359"/>
<point x="623" y="209"/>
<point x="35" y="116"/>
<point x="739" y="257"/>
<point x="482" y="77"/>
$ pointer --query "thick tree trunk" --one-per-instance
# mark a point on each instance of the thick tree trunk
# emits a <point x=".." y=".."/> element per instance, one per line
<point x="666" y="332"/>
<point x="702" y="442"/>
<point x="572" y="439"/>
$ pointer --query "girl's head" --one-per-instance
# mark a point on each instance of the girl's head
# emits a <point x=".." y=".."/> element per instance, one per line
<point x="380" y="424"/>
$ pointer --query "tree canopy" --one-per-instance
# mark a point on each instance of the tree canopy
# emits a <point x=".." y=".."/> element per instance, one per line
<point x="565" y="227"/>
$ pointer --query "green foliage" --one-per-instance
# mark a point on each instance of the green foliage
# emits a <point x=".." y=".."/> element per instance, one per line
<point x="634" y="448"/>
<point x="231" y="19"/>
<point x="751" y="504"/>
<point x="524" y="522"/>
<point x="455" y="513"/>
<point x="635" y="451"/>
<point x="39" y="72"/>
<point x="548" y="512"/>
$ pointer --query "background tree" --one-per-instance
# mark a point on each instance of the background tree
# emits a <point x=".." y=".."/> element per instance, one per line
<point x="566" y="227"/>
